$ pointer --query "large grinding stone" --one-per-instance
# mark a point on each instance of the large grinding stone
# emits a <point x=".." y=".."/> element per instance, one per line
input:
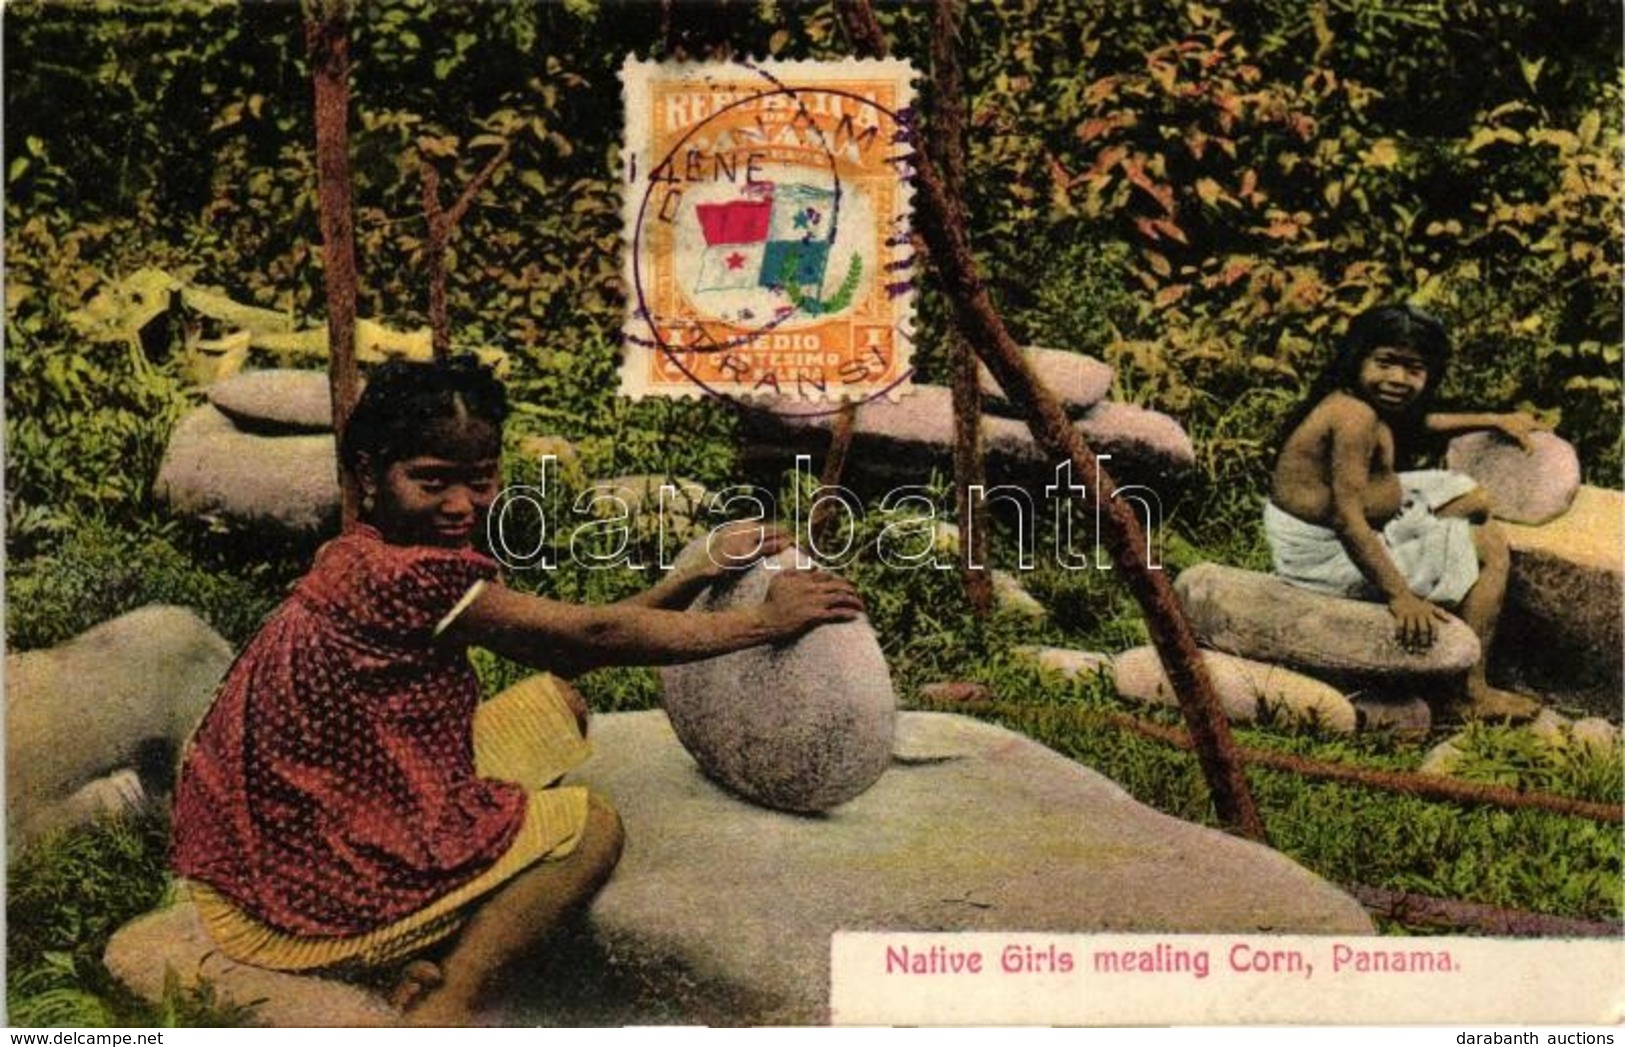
<point x="1267" y="619"/>
<point x="801" y="726"/>
<point x="1078" y="381"/>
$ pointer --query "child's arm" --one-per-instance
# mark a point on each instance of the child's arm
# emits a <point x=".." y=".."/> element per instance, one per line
<point x="1353" y="442"/>
<point x="1515" y="425"/>
<point x="549" y="634"/>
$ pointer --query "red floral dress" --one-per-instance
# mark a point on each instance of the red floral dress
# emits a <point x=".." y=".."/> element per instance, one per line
<point x="331" y="788"/>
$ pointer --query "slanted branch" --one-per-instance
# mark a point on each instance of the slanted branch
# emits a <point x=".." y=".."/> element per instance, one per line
<point x="942" y="225"/>
<point x="442" y="224"/>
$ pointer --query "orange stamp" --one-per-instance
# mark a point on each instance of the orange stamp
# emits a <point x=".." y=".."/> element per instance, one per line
<point x="767" y="207"/>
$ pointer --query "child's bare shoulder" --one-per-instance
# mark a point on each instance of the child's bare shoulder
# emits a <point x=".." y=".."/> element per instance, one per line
<point x="1340" y="412"/>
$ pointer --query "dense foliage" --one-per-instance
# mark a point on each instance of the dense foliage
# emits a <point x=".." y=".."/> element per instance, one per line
<point x="1201" y="193"/>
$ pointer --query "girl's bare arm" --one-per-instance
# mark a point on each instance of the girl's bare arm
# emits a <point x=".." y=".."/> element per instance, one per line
<point x="1515" y="425"/>
<point x="1353" y="441"/>
<point x="570" y="638"/>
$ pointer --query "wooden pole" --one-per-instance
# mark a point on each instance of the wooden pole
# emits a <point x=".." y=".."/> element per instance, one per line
<point x="970" y="463"/>
<point x="943" y="229"/>
<point x="327" y="39"/>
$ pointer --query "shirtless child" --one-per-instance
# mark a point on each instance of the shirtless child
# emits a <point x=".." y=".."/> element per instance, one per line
<point x="1342" y="520"/>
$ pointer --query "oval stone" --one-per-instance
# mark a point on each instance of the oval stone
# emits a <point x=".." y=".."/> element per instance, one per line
<point x="799" y="726"/>
<point x="1528" y="487"/>
<point x="1269" y="619"/>
<point x="280" y="484"/>
<point x="280" y="400"/>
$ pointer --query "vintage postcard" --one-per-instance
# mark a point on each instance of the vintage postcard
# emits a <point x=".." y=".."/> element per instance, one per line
<point x="494" y="535"/>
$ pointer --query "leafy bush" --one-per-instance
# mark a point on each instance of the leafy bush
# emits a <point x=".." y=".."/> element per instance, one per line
<point x="100" y="572"/>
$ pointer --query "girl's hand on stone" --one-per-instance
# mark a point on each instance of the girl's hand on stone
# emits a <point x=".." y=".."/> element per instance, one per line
<point x="1517" y="426"/>
<point x="798" y="600"/>
<point x="1417" y="617"/>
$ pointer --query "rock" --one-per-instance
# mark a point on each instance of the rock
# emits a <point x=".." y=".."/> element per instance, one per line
<point x="902" y="441"/>
<point x="1068" y="663"/>
<point x="1242" y="685"/>
<point x="1551" y="728"/>
<point x="1595" y="734"/>
<point x="119" y="793"/>
<point x="1078" y="381"/>
<point x="1561" y="634"/>
<point x="1010" y="595"/>
<point x="276" y="402"/>
<point x="1264" y="618"/>
<point x="143" y="952"/>
<point x="802" y="726"/>
<point x="98" y="705"/>
<point x="1443" y="759"/>
<point x="213" y="470"/>
<point x="1407" y="717"/>
<point x="1528" y="487"/>
<point x="721" y="911"/>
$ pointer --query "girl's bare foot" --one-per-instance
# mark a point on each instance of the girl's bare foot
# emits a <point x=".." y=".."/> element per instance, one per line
<point x="1494" y="704"/>
<point x="417" y="978"/>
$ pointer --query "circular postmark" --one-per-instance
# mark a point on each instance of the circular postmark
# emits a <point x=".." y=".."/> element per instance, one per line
<point x="770" y="259"/>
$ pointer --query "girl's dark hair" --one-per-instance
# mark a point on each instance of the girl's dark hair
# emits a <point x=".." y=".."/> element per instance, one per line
<point x="1398" y="326"/>
<point x="398" y="411"/>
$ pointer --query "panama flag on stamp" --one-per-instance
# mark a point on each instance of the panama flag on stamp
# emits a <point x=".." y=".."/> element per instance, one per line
<point x="767" y="250"/>
<point x="781" y="236"/>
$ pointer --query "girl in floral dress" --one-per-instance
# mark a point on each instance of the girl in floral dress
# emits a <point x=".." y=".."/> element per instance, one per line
<point x="348" y="801"/>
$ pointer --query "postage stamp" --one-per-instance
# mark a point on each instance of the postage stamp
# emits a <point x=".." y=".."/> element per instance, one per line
<point x="767" y="247"/>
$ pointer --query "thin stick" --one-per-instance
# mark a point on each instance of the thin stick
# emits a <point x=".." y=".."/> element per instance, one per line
<point x="442" y="223"/>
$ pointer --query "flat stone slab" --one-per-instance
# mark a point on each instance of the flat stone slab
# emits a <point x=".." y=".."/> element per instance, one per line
<point x="141" y="953"/>
<point x="721" y="911"/>
<point x="276" y="401"/>
<point x="981" y="829"/>
<point x="1268" y="619"/>
<point x="214" y="470"/>
<point x="916" y="433"/>
<point x="1078" y="381"/>
<point x="1562" y="634"/>
<point x="1528" y="487"/>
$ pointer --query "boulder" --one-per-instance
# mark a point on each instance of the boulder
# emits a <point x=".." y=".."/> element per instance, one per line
<point x="1529" y="487"/>
<point x="144" y="952"/>
<point x="1247" y="690"/>
<point x="110" y="700"/>
<point x="802" y="726"/>
<point x="1561" y="634"/>
<point x="1443" y="759"/>
<point x="213" y="470"/>
<point x="1078" y="381"/>
<point x="721" y="911"/>
<point x="276" y="402"/>
<point x="1267" y="619"/>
